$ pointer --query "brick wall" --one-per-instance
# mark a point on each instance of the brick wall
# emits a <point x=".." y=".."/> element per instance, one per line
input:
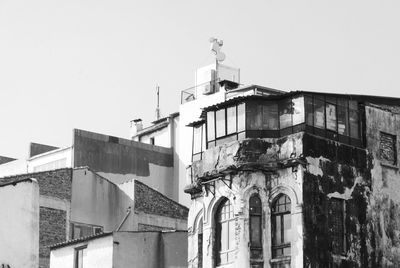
<point x="52" y="230"/>
<point x="150" y="201"/>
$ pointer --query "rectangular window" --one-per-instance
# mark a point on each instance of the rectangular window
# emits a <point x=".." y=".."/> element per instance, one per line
<point x="197" y="139"/>
<point x="231" y="120"/>
<point x="354" y="124"/>
<point x="210" y="126"/>
<point x="319" y="113"/>
<point x="298" y="110"/>
<point x="387" y="147"/>
<point x="309" y="110"/>
<point x="331" y="119"/>
<point x="336" y="221"/>
<point x="254" y="116"/>
<point x="270" y="116"/>
<point x="82" y="230"/>
<point x="80" y="255"/>
<point x="285" y="113"/>
<point x="343" y="117"/>
<point x="220" y="123"/>
<point x="241" y="117"/>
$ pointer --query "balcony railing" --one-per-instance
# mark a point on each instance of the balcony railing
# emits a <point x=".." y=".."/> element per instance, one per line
<point x="195" y="92"/>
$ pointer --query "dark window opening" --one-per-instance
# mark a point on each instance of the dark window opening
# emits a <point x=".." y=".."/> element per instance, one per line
<point x="80" y="254"/>
<point x="79" y="230"/>
<point x="152" y="140"/>
<point x="336" y="224"/>
<point x="255" y="215"/>
<point x="224" y="245"/>
<point x="281" y="226"/>
<point x="200" y="244"/>
<point x="387" y="147"/>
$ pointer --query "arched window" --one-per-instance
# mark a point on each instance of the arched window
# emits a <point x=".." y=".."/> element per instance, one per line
<point x="281" y="224"/>
<point x="224" y="234"/>
<point x="200" y="244"/>
<point x="255" y="215"/>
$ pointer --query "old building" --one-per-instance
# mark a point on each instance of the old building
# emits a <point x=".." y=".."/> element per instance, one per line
<point x="295" y="179"/>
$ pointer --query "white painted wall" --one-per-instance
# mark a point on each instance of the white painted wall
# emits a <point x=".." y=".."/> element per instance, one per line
<point x="99" y="254"/>
<point x="19" y="166"/>
<point x="59" y="158"/>
<point x="19" y="225"/>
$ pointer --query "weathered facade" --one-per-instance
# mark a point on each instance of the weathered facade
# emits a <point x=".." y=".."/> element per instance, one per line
<point x="297" y="179"/>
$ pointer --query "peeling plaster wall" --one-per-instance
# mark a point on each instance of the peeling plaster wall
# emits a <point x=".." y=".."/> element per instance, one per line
<point x="384" y="206"/>
<point x="252" y="154"/>
<point x="334" y="170"/>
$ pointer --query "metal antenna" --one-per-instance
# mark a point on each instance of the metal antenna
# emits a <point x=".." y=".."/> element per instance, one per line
<point x="158" y="103"/>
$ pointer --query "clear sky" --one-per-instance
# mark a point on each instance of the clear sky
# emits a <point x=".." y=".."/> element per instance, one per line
<point x="94" y="64"/>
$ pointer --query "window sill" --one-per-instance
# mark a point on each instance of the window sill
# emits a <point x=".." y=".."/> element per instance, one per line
<point x="389" y="166"/>
<point x="281" y="259"/>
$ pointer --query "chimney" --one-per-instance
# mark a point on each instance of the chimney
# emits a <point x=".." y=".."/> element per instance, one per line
<point x="136" y="126"/>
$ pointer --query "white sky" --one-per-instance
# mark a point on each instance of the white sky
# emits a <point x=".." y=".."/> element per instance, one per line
<point x="94" y="64"/>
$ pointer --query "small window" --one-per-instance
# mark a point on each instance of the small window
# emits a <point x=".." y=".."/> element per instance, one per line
<point x="224" y="234"/>
<point x="152" y="140"/>
<point x="281" y="225"/>
<point x="80" y="255"/>
<point x="319" y="113"/>
<point x="331" y="120"/>
<point x="270" y="116"/>
<point x="343" y="117"/>
<point x="220" y="123"/>
<point x="298" y="110"/>
<point x="285" y="113"/>
<point x="211" y="126"/>
<point x="255" y="214"/>
<point x="200" y="244"/>
<point x="231" y="120"/>
<point x="241" y="117"/>
<point x="336" y="224"/>
<point x="388" y="149"/>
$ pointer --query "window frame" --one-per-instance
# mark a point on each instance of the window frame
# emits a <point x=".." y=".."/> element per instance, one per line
<point x="343" y="237"/>
<point x="77" y="250"/>
<point x="198" y="155"/>
<point x="385" y="161"/>
<point x="226" y="137"/>
<point x="280" y="214"/>
<point x="218" y="231"/>
<point x="255" y="214"/>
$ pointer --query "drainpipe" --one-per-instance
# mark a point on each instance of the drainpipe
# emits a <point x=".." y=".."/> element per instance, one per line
<point x="128" y="211"/>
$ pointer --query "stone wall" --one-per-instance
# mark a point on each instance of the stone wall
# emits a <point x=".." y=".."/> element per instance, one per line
<point x="150" y="201"/>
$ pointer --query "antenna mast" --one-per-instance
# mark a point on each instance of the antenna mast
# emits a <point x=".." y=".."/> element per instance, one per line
<point x="158" y="103"/>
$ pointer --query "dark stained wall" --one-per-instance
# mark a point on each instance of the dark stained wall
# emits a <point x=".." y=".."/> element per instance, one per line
<point x="335" y="172"/>
<point x="37" y="148"/>
<point x="5" y="159"/>
<point x="110" y="154"/>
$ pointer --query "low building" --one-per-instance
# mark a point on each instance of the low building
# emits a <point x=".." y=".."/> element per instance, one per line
<point x="151" y="249"/>
<point x="78" y="202"/>
<point x="19" y="232"/>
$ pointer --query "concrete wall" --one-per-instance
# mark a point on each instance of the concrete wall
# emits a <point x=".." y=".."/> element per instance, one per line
<point x="19" y="232"/>
<point x="150" y="249"/>
<point x="37" y="148"/>
<point x="97" y="201"/>
<point x="99" y="254"/>
<point x="18" y="166"/>
<point x="122" y="160"/>
<point x="54" y="202"/>
<point x="383" y="208"/>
